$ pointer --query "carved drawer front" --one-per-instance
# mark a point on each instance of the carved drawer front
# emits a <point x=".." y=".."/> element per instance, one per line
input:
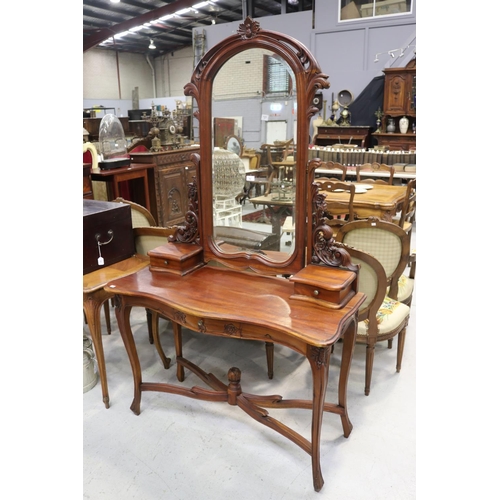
<point x="218" y="327"/>
<point x="206" y="325"/>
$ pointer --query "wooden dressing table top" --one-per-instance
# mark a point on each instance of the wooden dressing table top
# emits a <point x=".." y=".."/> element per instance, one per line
<point x="228" y="296"/>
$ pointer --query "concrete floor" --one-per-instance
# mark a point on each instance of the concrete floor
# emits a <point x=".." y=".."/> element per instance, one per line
<point x="180" y="448"/>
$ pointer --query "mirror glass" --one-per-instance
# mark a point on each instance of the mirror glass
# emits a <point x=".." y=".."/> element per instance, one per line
<point x="253" y="208"/>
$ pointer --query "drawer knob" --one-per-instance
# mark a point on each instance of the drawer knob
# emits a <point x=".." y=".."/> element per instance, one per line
<point x="200" y="323"/>
<point x="165" y="262"/>
<point x="316" y="293"/>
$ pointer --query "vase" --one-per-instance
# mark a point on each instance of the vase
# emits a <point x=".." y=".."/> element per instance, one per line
<point x="403" y="125"/>
<point x="391" y="126"/>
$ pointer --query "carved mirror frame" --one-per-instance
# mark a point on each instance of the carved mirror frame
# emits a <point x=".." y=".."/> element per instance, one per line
<point x="234" y="144"/>
<point x="309" y="79"/>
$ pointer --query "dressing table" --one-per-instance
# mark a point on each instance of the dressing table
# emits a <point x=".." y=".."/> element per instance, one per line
<point x="305" y="298"/>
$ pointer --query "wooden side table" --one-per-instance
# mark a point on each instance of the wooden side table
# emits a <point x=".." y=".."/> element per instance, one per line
<point x="94" y="296"/>
<point x="142" y="194"/>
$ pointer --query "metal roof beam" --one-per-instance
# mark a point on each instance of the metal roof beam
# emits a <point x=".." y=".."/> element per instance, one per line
<point x="104" y="33"/>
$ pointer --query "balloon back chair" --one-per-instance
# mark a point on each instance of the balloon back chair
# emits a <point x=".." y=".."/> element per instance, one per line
<point x="390" y="245"/>
<point x="380" y="317"/>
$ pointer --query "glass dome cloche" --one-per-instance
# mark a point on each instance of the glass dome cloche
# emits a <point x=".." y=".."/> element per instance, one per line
<point x="112" y="143"/>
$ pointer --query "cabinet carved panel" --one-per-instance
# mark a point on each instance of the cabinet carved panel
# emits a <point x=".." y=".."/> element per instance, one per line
<point x="174" y="170"/>
<point x="396" y="95"/>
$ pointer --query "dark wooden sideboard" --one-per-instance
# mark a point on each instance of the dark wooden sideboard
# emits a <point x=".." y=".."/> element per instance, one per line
<point x="397" y="142"/>
<point x="328" y="135"/>
<point x="173" y="172"/>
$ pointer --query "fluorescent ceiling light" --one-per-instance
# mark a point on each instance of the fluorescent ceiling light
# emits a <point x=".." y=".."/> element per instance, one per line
<point x="168" y="16"/>
<point x="182" y="11"/>
<point x="114" y="1"/>
<point x="136" y="28"/>
<point x="200" y="5"/>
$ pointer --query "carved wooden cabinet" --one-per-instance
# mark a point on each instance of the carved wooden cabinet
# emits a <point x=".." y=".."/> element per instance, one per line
<point x="174" y="170"/>
<point x="400" y="90"/>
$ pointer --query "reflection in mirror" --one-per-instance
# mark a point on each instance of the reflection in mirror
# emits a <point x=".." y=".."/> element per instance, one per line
<point x="263" y="222"/>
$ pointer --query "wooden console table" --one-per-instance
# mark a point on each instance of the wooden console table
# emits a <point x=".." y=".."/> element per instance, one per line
<point x="209" y="300"/>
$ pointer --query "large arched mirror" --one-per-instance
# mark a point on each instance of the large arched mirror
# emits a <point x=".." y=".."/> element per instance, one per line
<point x="234" y="70"/>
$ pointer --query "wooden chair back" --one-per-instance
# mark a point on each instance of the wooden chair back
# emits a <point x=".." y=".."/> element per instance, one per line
<point x="275" y="158"/>
<point x="407" y="217"/>
<point x="338" y="171"/>
<point x="379" y="318"/>
<point x="386" y="241"/>
<point x="276" y="153"/>
<point x="375" y="167"/>
<point x="339" y="211"/>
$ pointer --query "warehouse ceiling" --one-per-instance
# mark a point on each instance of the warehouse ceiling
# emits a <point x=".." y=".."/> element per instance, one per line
<point x="131" y="25"/>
